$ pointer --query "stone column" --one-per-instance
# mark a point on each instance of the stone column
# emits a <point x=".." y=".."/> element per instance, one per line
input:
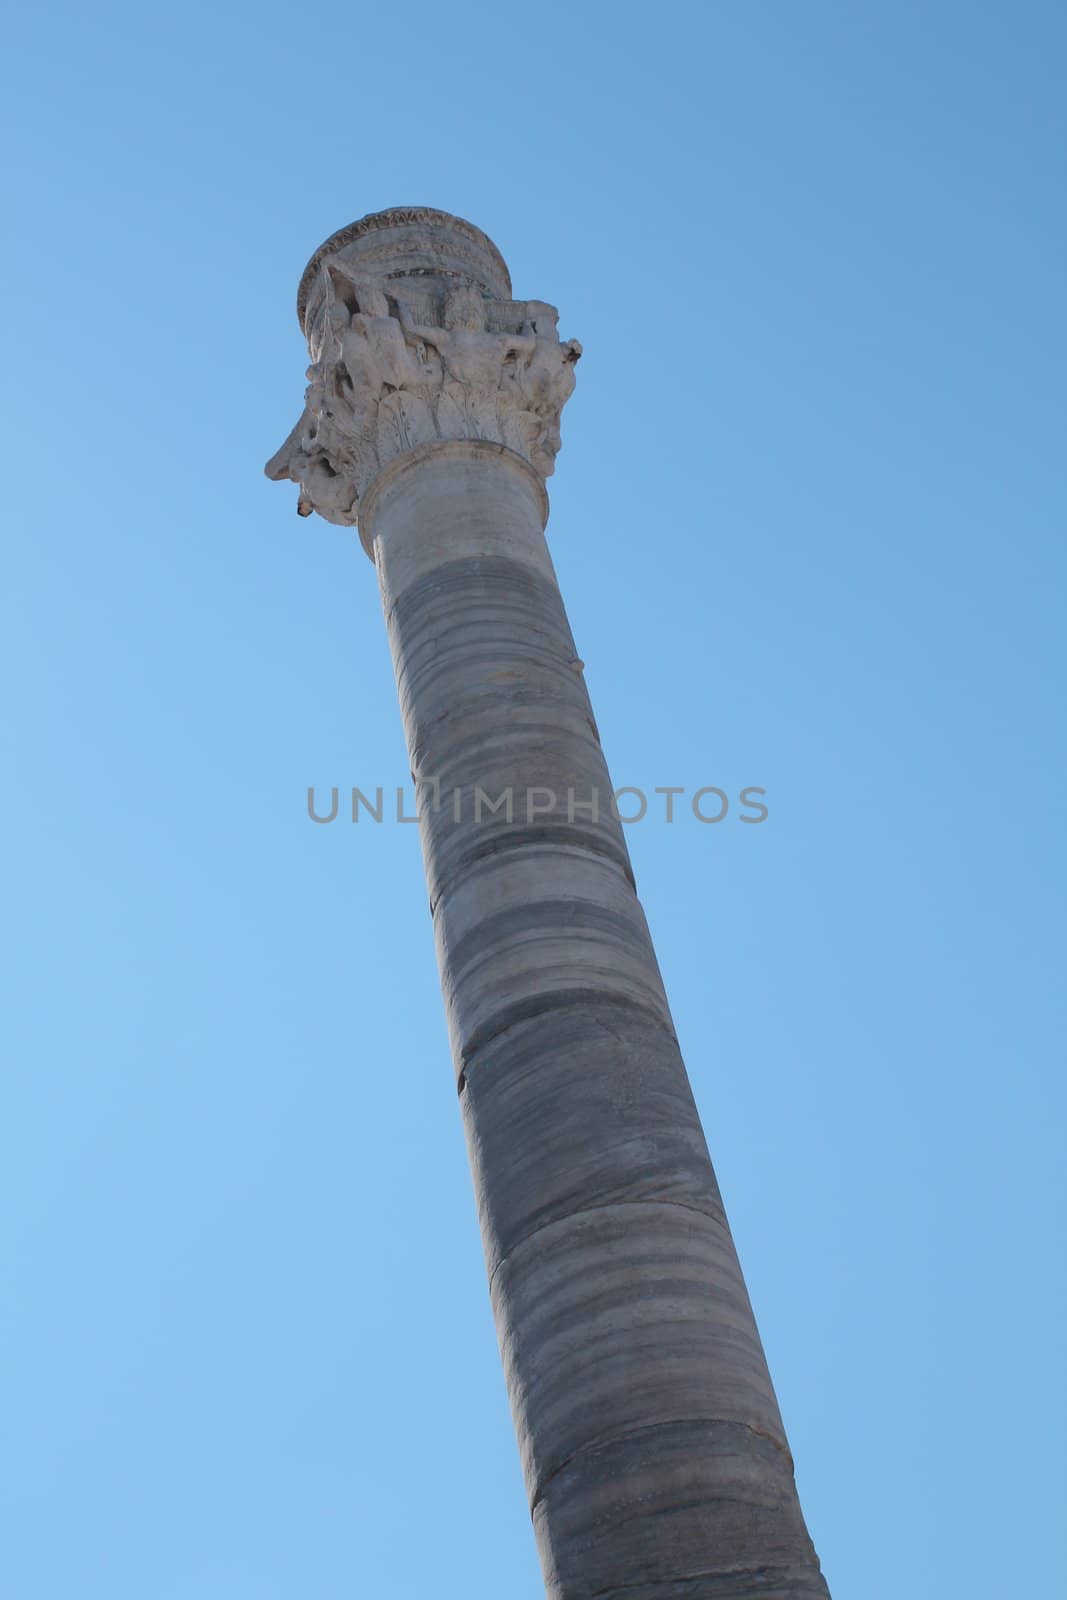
<point x="655" y="1459"/>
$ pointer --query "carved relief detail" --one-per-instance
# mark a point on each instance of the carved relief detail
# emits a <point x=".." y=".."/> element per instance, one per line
<point x="395" y="365"/>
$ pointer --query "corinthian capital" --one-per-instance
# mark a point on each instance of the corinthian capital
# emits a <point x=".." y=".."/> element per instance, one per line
<point x="414" y="338"/>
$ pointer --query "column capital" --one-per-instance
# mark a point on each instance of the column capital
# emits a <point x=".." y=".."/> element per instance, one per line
<point x="415" y="339"/>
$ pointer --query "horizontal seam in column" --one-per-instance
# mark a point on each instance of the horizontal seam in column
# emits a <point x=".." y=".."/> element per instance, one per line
<point x="608" y="1205"/>
<point x="765" y="1576"/>
<point x="474" y="573"/>
<point x="473" y="858"/>
<point x="542" y="1006"/>
<point x="585" y="918"/>
<point x="656" y="1427"/>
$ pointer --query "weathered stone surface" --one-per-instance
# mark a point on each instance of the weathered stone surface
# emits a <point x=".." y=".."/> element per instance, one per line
<point x="655" y="1459"/>
<point x="414" y="338"/>
<point x="690" y="1510"/>
<point x="605" y="1065"/>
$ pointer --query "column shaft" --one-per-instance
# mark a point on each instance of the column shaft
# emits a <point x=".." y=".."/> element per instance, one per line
<point x="653" y="1450"/>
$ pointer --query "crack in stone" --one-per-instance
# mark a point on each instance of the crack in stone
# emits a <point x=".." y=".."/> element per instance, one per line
<point x="655" y="1427"/>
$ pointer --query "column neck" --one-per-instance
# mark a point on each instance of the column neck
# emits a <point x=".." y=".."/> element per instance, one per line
<point x="483" y="472"/>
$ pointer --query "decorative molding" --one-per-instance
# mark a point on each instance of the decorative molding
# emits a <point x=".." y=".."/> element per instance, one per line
<point x="428" y="222"/>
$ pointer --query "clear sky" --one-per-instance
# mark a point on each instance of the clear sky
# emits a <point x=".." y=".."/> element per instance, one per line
<point x="809" y="523"/>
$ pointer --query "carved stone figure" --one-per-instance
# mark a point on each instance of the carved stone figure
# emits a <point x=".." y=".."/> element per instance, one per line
<point x="373" y="345"/>
<point x="474" y="360"/>
<point x="546" y="380"/>
<point x="330" y="331"/>
<point x="317" y="454"/>
<point x="472" y="356"/>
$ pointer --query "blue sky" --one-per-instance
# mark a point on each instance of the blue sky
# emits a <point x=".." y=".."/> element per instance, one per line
<point x="809" y="522"/>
